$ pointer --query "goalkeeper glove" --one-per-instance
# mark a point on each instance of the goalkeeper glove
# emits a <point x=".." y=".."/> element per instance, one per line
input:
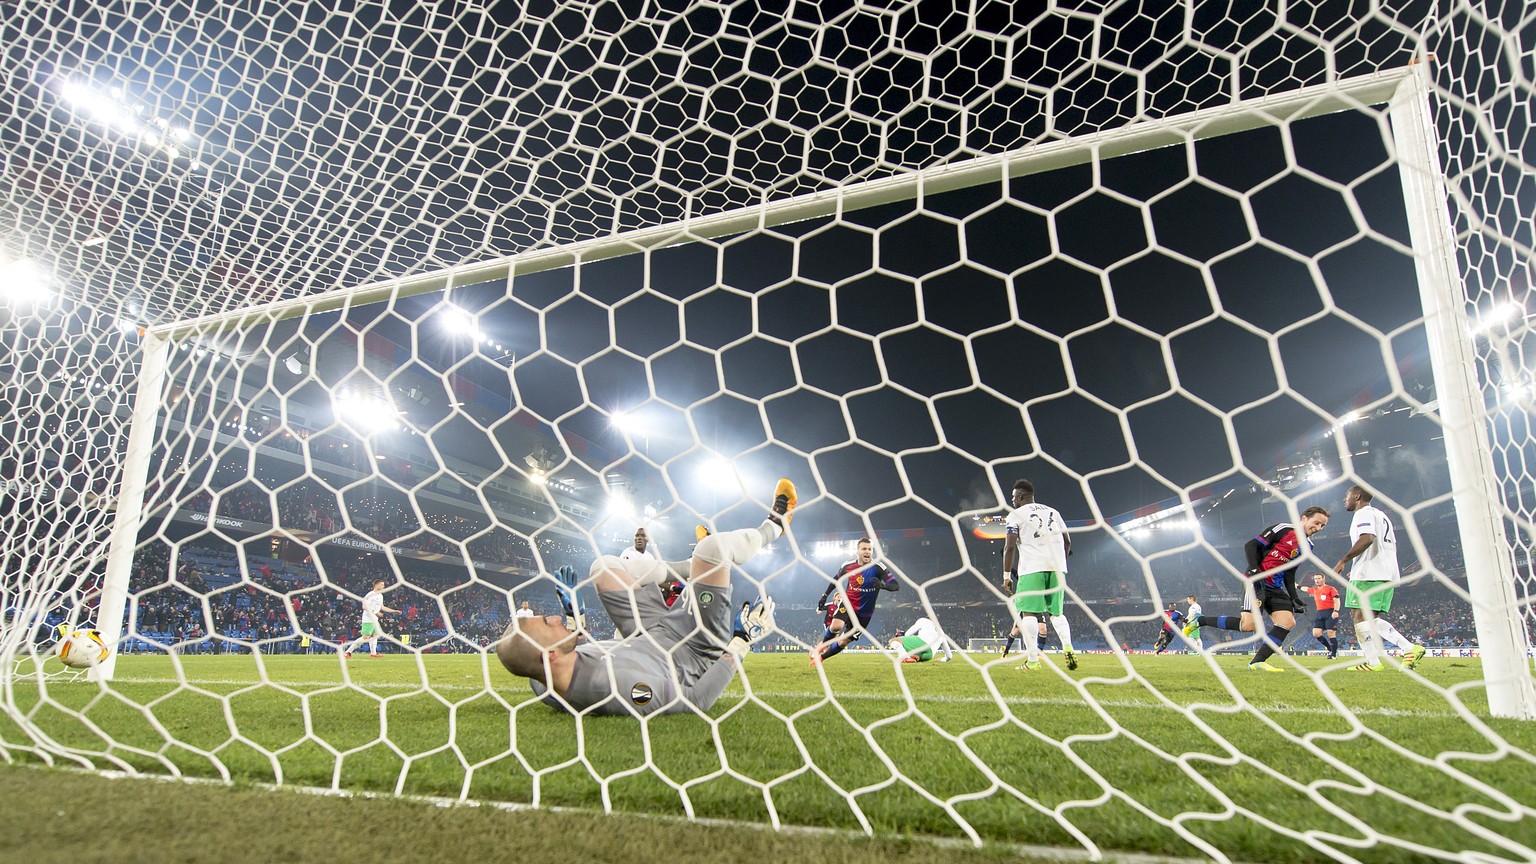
<point x="565" y="586"/>
<point x="752" y="626"/>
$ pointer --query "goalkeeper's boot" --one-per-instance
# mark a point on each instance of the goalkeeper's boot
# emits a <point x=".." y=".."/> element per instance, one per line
<point x="1071" y="657"/>
<point x="1264" y="666"/>
<point x="784" y="501"/>
<point x="1366" y="667"/>
<point x="1192" y="629"/>
<point x="1412" y="658"/>
<point x="699" y="533"/>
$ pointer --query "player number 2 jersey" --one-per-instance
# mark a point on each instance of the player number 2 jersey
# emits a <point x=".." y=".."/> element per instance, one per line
<point x="1040" y="539"/>
<point x="1379" y="561"/>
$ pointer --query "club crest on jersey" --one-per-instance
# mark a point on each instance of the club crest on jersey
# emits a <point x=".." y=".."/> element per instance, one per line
<point x="640" y="694"/>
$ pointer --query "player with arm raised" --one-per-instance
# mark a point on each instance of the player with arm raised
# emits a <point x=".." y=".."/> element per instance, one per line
<point x="1372" y="581"/>
<point x="373" y="604"/>
<point x="1035" y="550"/>
<point x="851" y="598"/>
<point x="666" y="661"/>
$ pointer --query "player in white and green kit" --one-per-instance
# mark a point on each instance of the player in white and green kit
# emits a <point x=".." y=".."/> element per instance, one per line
<point x="1035" y="550"/>
<point x="1372" y="580"/>
<point x="918" y="643"/>
<point x="373" y="604"/>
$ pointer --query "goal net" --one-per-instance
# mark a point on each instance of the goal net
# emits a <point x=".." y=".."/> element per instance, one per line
<point x="296" y="302"/>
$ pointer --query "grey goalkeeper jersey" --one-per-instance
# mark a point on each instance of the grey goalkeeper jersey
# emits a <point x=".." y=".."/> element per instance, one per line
<point x="637" y="678"/>
<point x="670" y="661"/>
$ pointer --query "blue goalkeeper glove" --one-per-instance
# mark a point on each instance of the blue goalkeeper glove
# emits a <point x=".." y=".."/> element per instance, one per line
<point x="565" y="586"/>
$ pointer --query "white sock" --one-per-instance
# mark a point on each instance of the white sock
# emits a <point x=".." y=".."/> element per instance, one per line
<point x="1029" y="628"/>
<point x="1390" y="634"/>
<point x="736" y="547"/>
<point x="1365" y="634"/>
<point x="373" y="645"/>
<point x="1063" y="631"/>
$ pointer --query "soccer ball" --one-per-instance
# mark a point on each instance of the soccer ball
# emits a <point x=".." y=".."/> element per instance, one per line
<point x="82" y="649"/>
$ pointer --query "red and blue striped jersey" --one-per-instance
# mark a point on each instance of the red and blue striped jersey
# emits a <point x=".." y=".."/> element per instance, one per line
<point x="861" y="585"/>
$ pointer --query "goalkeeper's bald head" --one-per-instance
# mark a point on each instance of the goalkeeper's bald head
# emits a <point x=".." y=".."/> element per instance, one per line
<point x="528" y="642"/>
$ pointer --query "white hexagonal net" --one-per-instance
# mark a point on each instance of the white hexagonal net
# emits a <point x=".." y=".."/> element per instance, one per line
<point x="296" y="300"/>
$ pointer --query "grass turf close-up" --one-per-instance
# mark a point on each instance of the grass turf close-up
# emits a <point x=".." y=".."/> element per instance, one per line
<point x="1170" y="755"/>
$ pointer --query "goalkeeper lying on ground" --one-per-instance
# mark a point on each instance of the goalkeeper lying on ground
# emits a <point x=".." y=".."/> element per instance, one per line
<point x="665" y="661"/>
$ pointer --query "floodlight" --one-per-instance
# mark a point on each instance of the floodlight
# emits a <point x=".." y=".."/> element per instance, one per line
<point x="25" y="282"/>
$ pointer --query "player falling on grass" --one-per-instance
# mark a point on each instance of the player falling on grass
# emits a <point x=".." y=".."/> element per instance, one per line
<point x="1325" y="623"/>
<point x="373" y="604"/>
<point x="851" y="597"/>
<point x="1372" y="580"/>
<point x="1035" y="550"/>
<point x="1172" y="622"/>
<point x="665" y="661"/>
<point x="917" y="643"/>
<point x="1273" y="587"/>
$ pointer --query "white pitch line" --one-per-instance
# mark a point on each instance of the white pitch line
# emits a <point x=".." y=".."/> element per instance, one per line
<point x="1054" y="701"/>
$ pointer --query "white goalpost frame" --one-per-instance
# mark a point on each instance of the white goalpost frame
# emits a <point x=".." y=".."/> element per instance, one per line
<point x="128" y="517"/>
<point x="1489" y="564"/>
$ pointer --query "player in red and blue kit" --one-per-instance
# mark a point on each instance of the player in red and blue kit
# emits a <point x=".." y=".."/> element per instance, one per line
<point x="857" y="584"/>
<point x="1274" y="587"/>
<point x="1171" y="618"/>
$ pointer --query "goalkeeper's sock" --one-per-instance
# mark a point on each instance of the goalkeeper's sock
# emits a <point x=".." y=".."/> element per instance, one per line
<point x="1272" y="642"/>
<point x="735" y="547"/>
<point x="832" y="650"/>
<point x="826" y="636"/>
<point x="1222" y="622"/>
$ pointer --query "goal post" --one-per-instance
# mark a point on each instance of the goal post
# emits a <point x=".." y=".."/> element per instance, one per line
<point x="1403" y="92"/>
<point x="1491" y="579"/>
<point x="128" y="515"/>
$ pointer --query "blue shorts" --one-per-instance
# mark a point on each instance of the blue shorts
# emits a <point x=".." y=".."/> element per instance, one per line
<point x="1326" y="621"/>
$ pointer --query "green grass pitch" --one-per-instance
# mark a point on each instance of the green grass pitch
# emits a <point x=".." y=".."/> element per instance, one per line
<point x="1174" y="759"/>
